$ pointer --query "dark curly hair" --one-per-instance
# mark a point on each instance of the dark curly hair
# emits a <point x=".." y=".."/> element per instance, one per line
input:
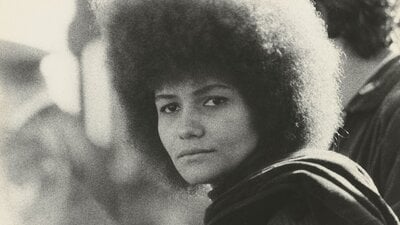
<point x="275" y="52"/>
<point x="365" y="25"/>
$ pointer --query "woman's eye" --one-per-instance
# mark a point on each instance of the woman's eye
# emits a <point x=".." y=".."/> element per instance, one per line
<point x="214" y="101"/>
<point x="170" y="108"/>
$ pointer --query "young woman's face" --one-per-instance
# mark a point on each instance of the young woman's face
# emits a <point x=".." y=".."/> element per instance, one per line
<point x="205" y="127"/>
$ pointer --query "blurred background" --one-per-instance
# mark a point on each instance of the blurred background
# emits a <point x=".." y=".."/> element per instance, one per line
<point x="65" y="156"/>
<point x="43" y="24"/>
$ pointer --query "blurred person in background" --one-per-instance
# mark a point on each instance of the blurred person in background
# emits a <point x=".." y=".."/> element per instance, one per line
<point x="137" y="197"/>
<point x="241" y="95"/>
<point x="370" y="88"/>
<point x="48" y="162"/>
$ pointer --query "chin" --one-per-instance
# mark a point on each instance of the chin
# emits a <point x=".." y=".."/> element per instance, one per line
<point x="198" y="176"/>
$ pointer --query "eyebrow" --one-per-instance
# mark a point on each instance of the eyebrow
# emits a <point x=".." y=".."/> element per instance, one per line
<point x="197" y="92"/>
<point x="164" y="96"/>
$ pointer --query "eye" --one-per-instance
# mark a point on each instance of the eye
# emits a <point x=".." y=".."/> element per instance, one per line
<point x="170" y="108"/>
<point x="214" y="101"/>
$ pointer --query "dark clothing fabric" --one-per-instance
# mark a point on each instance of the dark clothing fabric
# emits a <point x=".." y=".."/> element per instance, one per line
<point x="371" y="134"/>
<point x="307" y="187"/>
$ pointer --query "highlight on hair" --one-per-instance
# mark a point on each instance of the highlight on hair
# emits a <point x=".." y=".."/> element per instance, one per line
<point x="275" y="51"/>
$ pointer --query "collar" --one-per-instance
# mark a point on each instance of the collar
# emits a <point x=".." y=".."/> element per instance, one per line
<point x="252" y="167"/>
<point x="371" y="95"/>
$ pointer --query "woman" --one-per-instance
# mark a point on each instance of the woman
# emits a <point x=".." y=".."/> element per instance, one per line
<point x="236" y="94"/>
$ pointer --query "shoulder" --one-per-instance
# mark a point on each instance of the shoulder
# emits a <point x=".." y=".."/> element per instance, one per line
<point x="311" y="177"/>
<point x="390" y="106"/>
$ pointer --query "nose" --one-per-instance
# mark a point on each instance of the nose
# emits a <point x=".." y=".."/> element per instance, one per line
<point x="190" y="127"/>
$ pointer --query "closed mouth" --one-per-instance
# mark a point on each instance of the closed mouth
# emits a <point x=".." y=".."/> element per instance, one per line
<point x="191" y="152"/>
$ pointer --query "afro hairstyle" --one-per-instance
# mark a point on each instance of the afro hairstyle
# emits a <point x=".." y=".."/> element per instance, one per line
<point x="276" y="52"/>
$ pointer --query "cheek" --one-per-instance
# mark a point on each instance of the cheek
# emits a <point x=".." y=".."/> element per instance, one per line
<point x="164" y="131"/>
<point x="231" y="130"/>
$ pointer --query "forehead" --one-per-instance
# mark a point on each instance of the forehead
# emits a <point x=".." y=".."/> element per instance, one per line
<point x="191" y="82"/>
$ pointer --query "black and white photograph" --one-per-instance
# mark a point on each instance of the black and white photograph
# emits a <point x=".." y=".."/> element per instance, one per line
<point x="200" y="112"/>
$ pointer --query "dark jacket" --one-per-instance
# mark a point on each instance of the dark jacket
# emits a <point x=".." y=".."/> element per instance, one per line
<point x="371" y="134"/>
<point x="307" y="187"/>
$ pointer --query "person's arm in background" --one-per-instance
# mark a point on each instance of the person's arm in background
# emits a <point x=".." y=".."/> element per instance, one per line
<point x="48" y="162"/>
<point x="39" y="181"/>
<point x="389" y="146"/>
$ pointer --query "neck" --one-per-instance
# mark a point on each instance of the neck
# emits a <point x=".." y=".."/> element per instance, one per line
<point x="357" y="70"/>
<point x="255" y="162"/>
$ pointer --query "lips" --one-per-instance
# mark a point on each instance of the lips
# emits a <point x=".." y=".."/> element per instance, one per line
<point x="191" y="152"/>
